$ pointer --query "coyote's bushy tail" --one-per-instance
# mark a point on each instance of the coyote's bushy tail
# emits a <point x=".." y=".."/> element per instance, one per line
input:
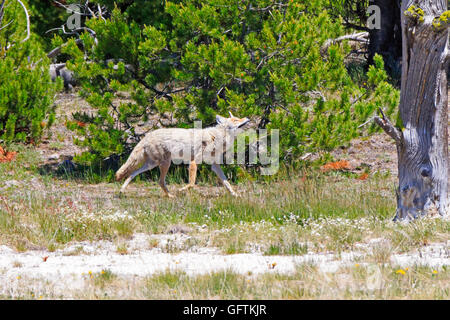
<point x="135" y="160"/>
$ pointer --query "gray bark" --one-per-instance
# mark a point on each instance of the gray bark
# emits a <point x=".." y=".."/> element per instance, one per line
<point x="422" y="142"/>
<point x="60" y="70"/>
<point x="68" y="76"/>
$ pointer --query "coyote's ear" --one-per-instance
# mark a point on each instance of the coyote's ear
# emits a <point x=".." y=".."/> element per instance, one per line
<point x="220" y="119"/>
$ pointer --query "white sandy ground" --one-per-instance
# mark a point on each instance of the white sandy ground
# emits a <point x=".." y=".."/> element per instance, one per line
<point x="69" y="267"/>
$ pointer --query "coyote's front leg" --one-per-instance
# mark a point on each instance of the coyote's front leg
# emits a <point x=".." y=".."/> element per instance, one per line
<point x="192" y="176"/>
<point x="218" y="170"/>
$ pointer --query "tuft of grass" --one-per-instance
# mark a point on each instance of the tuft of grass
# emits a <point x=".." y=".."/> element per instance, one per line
<point x="382" y="252"/>
<point x="291" y="248"/>
<point x="178" y="284"/>
<point x="103" y="278"/>
<point x="417" y="234"/>
<point x="122" y="248"/>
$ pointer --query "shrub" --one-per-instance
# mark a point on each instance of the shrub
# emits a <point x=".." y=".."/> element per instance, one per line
<point x="26" y="90"/>
<point x="194" y="60"/>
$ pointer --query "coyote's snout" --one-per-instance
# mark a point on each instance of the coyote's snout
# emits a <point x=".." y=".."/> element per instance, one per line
<point x="162" y="146"/>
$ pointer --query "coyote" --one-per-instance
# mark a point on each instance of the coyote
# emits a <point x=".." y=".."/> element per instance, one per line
<point x="162" y="146"/>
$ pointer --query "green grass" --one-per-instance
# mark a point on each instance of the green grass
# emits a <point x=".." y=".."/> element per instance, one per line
<point x="291" y="248"/>
<point x="43" y="210"/>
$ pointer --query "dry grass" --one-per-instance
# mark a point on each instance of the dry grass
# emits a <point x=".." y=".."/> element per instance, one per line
<point x="372" y="281"/>
<point x="315" y="212"/>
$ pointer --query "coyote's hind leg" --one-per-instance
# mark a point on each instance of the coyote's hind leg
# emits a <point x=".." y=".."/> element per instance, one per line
<point x="149" y="165"/>
<point x="192" y="176"/>
<point x="163" y="169"/>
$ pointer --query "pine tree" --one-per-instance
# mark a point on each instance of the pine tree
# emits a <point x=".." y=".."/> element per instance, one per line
<point x="260" y="59"/>
<point x="26" y="90"/>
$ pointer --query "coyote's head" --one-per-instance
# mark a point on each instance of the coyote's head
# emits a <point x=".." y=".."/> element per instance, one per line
<point x="232" y="123"/>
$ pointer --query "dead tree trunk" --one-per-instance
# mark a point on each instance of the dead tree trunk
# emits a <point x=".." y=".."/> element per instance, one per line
<point x="422" y="141"/>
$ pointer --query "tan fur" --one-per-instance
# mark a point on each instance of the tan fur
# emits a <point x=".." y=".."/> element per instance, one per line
<point x="192" y="176"/>
<point x="160" y="147"/>
<point x="135" y="160"/>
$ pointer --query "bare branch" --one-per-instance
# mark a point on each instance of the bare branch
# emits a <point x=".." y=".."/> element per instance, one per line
<point x="316" y="93"/>
<point x="6" y="25"/>
<point x="92" y="32"/>
<point x="355" y="26"/>
<point x="2" y="5"/>
<point x="367" y="122"/>
<point x="359" y="37"/>
<point x="28" y="20"/>
<point x="266" y="58"/>
<point x="100" y="13"/>
<point x="27" y="16"/>
<point x="389" y="128"/>
<point x="268" y="8"/>
<point x="55" y="52"/>
<point x="89" y="9"/>
<point x="73" y="31"/>
<point x="70" y="10"/>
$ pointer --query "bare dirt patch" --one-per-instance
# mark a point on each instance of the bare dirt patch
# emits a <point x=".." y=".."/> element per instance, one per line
<point x="66" y="271"/>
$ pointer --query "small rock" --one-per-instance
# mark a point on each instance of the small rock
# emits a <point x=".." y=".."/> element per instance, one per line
<point x="179" y="229"/>
<point x="53" y="157"/>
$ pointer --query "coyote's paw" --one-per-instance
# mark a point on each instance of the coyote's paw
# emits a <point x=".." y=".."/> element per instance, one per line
<point x="119" y="194"/>
<point x="187" y="187"/>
